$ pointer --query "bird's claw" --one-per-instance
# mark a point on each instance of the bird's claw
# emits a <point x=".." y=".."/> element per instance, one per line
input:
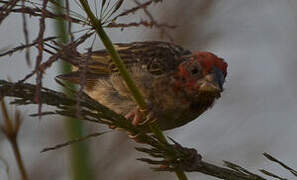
<point x="140" y="117"/>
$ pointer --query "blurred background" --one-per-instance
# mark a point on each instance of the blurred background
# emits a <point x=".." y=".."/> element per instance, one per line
<point x="257" y="112"/>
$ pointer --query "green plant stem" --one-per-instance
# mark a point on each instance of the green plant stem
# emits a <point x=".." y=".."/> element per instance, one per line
<point x="80" y="161"/>
<point x="124" y="73"/>
<point x="180" y="174"/>
<point x="114" y="55"/>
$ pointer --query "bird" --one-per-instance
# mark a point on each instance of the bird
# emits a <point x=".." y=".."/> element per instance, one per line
<point x="178" y="85"/>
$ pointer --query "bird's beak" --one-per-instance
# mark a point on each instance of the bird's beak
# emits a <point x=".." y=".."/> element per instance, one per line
<point x="213" y="82"/>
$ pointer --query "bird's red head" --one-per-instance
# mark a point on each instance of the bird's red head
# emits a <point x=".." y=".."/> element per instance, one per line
<point x="204" y="72"/>
<point x="208" y="61"/>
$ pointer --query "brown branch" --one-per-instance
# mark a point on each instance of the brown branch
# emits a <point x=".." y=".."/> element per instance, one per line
<point x="82" y="80"/>
<point x="26" y="35"/>
<point x="271" y="158"/>
<point x="73" y="141"/>
<point x="173" y="156"/>
<point x="21" y="47"/>
<point x="160" y="26"/>
<point x="69" y="22"/>
<point x="267" y="173"/>
<point x="225" y="173"/>
<point x="40" y="45"/>
<point x="151" y="23"/>
<point x="6" y="9"/>
<point x="11" y="129"/>
<point x="68" y="51"/>
<point x="190" y="161"/>
<point x="136" y="24"/>
<point x="37" y="12"/>
<point x="92" y="110"/>
<point x="134" y="9"/>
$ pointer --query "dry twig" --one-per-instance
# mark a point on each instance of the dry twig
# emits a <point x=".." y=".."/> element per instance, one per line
<point x="172" y="156"/>
<point x="11" y="129"/>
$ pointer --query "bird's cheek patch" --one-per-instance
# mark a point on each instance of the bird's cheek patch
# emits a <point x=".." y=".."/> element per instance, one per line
<point x="183" y="72"/>
<point x="191" y="86"/>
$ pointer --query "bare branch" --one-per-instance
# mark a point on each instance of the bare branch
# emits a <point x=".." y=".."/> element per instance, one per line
<point x="26" y="35"/>
<point x="172" y="156"/>
<point x="134" y="9"/>
<point x="271" y="174"/>
<point x="39" y="58"/>
<point x="68" y="51"/>
<point x="70" y="142"/>
<point x="189" y="160"/>
<point x="11" y="128"/>
<point x="136" y="24"/>
<point x="21" y="47"/>
<point x="271" y="158"/>
<point x="161" y="27"/>
<point x="6" y="9"/>
<point x="37" y="12"/>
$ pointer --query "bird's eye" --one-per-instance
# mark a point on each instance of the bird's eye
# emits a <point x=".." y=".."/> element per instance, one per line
<point x="194" y="71"/>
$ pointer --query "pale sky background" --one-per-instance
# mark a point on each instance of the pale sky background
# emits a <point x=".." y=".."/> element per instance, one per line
<point x="257" y="112"/>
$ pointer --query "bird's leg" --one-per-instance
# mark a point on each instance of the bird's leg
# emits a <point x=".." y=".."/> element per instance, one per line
<point x="140" y="117"/>
<point x="135" y="115"/>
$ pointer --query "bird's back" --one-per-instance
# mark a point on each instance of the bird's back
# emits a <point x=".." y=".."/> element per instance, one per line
<point x="157" y="57"/>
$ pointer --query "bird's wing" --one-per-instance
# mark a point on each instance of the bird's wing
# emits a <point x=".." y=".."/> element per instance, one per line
<point x="154" y="56"/>
<point x="157" y="57"/>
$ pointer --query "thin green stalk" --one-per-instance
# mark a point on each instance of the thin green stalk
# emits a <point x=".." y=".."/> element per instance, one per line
<point x="181" y="174"/>
<point x="124" y="73"/>
<point x="114" y="55"/>
<point x="80" y="160"/>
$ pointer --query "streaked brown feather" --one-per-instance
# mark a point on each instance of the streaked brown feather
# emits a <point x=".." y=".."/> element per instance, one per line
<point x="76" y="77"/>
<point x="157" y="57"/>
<point x="154" y="57"/>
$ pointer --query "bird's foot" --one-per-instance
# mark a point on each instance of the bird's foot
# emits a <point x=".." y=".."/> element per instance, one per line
<point x="141" y="117"/>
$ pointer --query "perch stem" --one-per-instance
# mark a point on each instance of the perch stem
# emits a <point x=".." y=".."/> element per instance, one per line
<point x="124" y="73"/>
